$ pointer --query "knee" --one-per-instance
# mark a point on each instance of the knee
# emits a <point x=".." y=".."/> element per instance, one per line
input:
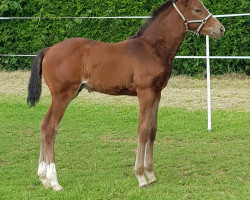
<point x="153" y="133"/>
<point x="144" y="131"/>
<point x="147" y="133"/>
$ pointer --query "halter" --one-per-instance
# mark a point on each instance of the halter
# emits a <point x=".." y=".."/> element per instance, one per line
<point x="186" y="22"/>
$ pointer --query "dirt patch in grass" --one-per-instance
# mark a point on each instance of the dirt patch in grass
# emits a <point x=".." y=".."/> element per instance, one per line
<point x="227" y="92"/>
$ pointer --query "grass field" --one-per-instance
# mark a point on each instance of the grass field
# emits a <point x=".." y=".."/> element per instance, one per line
<point x="96" y="144"/>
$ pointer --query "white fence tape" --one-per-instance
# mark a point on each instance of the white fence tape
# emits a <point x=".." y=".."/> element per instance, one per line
<point x="178" y="57"/>
<point x="118" y="17"/>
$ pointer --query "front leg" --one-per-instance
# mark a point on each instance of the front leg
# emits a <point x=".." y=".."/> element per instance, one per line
<point x="148" y="162"/>
<point x="148" y="106"/>
<point x="148" y="159"/>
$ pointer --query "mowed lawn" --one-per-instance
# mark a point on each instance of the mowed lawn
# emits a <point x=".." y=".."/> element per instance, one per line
<point x="95" y="152"/>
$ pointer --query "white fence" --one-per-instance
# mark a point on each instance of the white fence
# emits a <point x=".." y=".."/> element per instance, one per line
<point x="207" y="57"/>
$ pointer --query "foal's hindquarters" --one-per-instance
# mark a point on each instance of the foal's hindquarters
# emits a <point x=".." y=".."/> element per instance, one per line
<point x="63" y="77"/>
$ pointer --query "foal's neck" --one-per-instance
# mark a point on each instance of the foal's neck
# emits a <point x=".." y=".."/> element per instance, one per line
<point x="166" y="34"/>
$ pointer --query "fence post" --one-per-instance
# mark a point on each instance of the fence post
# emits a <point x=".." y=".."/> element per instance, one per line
<point x="209" y="123"/>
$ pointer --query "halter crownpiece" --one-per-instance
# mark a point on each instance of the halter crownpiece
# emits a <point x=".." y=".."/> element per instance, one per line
<point x="186" y="22"/>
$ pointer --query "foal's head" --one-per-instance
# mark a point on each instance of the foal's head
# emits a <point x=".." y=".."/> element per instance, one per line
<point x="198" y="19"/>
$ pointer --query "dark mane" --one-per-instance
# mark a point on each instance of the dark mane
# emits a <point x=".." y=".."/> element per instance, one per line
<point x="154" y="15"/>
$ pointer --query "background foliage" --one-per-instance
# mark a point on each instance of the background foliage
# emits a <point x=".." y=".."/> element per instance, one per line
<point x="29" y="36"/>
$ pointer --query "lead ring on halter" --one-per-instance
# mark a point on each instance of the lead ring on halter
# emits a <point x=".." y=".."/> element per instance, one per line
<point x="186" y="22"/>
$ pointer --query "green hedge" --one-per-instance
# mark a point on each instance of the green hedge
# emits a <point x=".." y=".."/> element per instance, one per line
<point x="29" y="36"/>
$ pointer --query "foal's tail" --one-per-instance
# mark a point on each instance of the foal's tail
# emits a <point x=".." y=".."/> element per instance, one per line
<point x="35" y="83"/>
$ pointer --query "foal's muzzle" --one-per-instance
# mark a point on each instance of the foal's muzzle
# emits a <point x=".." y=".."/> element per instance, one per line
<point x="217" y="32"/>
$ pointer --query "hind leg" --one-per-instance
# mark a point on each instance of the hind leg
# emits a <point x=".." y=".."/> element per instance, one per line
<point x="49" y="129"/>
<point x="42" y="167"/>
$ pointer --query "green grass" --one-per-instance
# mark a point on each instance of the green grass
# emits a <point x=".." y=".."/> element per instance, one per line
<point x="95" y="153"/>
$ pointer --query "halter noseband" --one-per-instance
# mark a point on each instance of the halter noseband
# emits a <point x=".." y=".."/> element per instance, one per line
<point x="186" y="22"/>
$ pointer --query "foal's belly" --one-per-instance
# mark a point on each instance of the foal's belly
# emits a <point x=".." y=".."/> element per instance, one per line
<point x="111" y="88"/>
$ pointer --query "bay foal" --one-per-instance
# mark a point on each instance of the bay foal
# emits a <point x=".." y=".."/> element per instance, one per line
<point x="139" y="66"/>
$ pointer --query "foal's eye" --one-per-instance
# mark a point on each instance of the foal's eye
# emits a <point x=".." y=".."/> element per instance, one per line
<point x="198" y="10"/>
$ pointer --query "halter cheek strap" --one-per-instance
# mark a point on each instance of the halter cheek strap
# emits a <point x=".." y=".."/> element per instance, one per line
<point x="186" y="22"/>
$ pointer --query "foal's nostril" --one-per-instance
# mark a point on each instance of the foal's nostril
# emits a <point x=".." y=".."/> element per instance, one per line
<point x="222" y="29"/>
